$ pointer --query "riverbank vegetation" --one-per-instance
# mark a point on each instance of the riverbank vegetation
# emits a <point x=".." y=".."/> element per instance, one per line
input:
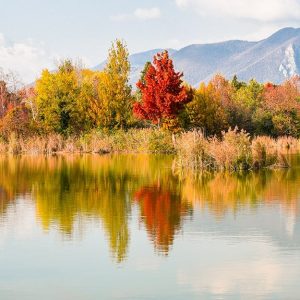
<point x="131" y="141"/>
<point x="226" y="124"/>
<point x="235" y="150"/>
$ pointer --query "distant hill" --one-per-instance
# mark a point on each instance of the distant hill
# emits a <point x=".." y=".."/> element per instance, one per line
<point x="138" y="62"/>
<point x="274" y="59"/>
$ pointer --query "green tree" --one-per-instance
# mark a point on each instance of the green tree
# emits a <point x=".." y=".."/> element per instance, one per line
<point x="236" y="84"/>
<point x="138" y="94"/>
<point x="246" y="99"/>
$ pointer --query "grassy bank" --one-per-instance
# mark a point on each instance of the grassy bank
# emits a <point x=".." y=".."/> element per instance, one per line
<point x="234" y="150"/>
<point x="131" y="141"/>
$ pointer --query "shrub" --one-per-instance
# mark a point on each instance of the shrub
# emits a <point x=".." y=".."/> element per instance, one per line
<point x="14" y="146"/>
<point x="264" y="152"/>
<point x="94" y="142"/>
<point x="33" y="145"/>
<point x="3" y="146"/>
<point x="54" y="143"/>
<point x="232" y="151"/>
<point x="160" y="141"/>
<point x="288" y="143"/>
<point x="192" y="150"/>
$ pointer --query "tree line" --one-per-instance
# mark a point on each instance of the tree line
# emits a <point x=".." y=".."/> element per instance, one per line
<point x="73" y="100"/>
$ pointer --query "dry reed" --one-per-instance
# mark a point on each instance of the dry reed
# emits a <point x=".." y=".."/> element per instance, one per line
<point x="233" y="151"/>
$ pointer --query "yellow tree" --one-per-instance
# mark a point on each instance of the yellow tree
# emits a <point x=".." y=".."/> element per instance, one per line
<point x="205" y="111"/>
<point x="89" y="101"/>
<point x="58" y="100"/>
<point x="114" y="92"/>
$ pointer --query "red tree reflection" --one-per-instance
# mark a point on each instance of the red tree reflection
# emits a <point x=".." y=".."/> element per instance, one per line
<point x="162" y="213"/>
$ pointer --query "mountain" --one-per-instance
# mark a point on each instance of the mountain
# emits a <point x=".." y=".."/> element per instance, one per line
<point x="274" y="59"/>
<point x="137" y="62"/>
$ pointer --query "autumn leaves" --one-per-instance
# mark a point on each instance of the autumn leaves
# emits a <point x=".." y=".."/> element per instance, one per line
<point x="74" y="101"/>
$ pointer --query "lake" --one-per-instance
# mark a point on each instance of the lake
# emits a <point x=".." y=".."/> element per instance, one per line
<point x="132" y="227"/>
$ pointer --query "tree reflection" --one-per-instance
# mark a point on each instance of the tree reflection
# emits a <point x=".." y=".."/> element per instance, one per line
<point x="69" y="191"/>
<point x="162" y="212"/>
<point x="225" y="192"/>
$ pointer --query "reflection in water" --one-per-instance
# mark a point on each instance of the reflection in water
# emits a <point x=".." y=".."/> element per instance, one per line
<point x="222" y="192"/>
<point x="66" y="193"/>
<point x="68" y="187"/>
<point x="65" y="188"/>
<point x="162" y="212"/>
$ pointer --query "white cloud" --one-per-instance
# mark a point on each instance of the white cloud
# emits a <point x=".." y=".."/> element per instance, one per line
<point x="24" y="59"/>
<point x="261" y="10"/>
<point x="19" y="221"/>
<point x="247" y="267"/>
<point x="143" y="14"/>
<point x="147" y="14"/>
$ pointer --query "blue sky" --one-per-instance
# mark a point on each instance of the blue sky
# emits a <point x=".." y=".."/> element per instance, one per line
<point x="34" y="33"/>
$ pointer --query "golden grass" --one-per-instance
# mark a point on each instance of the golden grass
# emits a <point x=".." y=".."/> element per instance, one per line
<point x="132" y="141"/>
<point x="233" y="151"/>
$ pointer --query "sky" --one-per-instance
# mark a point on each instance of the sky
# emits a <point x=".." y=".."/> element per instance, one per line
<point x="35" y="34"/>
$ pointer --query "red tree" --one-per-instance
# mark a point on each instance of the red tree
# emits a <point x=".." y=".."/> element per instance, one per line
<point x="163" y="94"/>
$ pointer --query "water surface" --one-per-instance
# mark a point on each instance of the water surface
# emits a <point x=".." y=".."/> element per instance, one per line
<point x="131" y="227"/>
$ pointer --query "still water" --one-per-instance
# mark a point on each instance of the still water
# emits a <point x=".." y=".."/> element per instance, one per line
<point x="130" y="227"/>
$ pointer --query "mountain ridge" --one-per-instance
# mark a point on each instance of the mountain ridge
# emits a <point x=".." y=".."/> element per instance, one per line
<point x="273" y="59"/>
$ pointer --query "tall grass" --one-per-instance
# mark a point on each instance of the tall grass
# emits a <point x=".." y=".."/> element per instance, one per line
<point x="233" y="151"/>
<point x="131" y="141"/>
<point x="193" y="151"/>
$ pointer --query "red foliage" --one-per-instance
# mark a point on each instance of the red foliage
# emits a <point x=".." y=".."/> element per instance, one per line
<point x="269" y="85"/>
<point x="221" y="91"/>
<point x="162" y="212"/>
<point x="27" y="93"/>
<point x="162" y="92"/>
<point x="16" y="120"/>
<point x="283" y="97"/>
<point x="8" y="99"/>
<point x="14" y="116"/>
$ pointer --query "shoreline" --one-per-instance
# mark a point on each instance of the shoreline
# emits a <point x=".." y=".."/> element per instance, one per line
<point x="234" y="150"/>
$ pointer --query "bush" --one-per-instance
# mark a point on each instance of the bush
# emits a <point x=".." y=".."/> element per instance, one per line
<point x="3" y="146"/>
<point x="234" y="151"/>
<point x="160" y="141"/>
<point x="14" y="146"/>
<point x="264" y="152"/>
<point x="34" y="145"/>
<point x="192" y="150"/>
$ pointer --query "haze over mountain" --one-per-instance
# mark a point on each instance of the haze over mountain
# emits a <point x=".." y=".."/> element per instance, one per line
<point x="274" y="59"/>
